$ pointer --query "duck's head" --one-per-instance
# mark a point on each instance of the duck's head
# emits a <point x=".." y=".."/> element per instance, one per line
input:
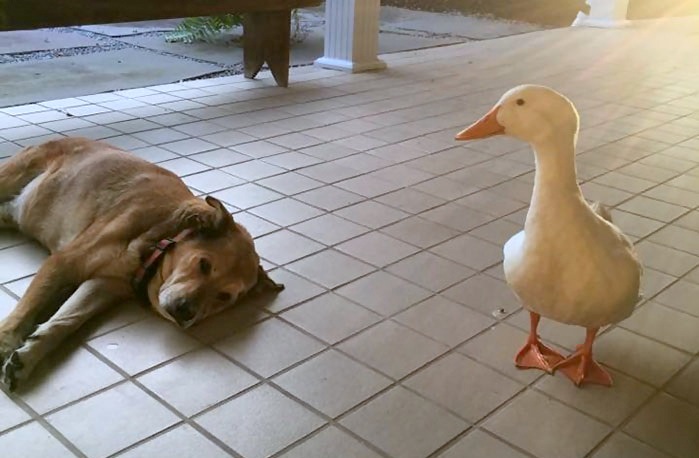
<point x="531" y="113"/>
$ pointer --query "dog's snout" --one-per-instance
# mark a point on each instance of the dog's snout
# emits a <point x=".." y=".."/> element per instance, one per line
<point x="182" y="306"/>
<point x="182" y="310"/>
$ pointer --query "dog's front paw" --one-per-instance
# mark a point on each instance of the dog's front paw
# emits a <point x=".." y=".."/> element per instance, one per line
<point x="12" y="371"/>
<point x="8" y="344"/>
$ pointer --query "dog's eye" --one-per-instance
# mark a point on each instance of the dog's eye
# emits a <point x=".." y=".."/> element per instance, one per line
<point x="205" y="266"/>
<point x="225" y="297"/>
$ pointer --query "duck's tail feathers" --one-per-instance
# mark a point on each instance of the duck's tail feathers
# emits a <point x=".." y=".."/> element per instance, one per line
<point x="602" y="210"/>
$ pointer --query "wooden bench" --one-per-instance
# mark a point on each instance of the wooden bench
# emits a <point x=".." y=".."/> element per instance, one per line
<point x="266" y="23"/>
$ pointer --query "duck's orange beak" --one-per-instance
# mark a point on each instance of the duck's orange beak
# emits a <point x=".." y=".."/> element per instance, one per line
<point x="485" y="127"/>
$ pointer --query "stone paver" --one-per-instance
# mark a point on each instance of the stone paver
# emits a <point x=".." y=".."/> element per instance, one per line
<point x="363" y="354"/>
<point x="104" y="71"/>
<point x="472" y="27"/>
<point x="221" y="51"/>
<point x="28" y="40"/>
<point x="122" y="29"/>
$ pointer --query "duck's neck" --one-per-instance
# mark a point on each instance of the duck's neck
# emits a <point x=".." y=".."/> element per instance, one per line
<point x="555" y="175"/>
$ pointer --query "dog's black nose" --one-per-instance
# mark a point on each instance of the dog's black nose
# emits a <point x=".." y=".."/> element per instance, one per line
<point x="182" y="311"/>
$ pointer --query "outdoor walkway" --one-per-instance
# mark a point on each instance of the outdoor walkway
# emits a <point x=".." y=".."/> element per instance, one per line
<point x="50" y="64"/>
<point x="396" y="333"/>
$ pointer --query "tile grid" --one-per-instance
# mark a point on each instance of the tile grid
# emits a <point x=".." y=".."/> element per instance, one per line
<point x="515" y="212"/>
<point x="36" y="417"/>
<point x="618" y="428"/>
<point x="298" y="400"/>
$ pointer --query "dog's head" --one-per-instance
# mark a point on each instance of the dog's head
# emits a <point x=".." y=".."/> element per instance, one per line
<point x="208" y="272"/>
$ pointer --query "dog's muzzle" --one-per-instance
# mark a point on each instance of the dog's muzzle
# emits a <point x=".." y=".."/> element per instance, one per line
<point x="183" y="311"/>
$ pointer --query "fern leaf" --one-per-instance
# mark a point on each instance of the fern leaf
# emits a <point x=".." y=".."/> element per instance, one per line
<point x="203" y="28"/>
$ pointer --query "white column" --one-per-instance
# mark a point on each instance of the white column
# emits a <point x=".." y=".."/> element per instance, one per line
<point x="351" y="36"/>
<point x="604" y="13"/>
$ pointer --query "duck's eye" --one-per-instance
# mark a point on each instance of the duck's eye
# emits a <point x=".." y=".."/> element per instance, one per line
<point x="520" y="102"/>
<point x="205" y="266"/>
<point x="225" y="297"/>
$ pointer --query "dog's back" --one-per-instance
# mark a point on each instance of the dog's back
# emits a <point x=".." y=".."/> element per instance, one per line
<point x="57" y="189"/>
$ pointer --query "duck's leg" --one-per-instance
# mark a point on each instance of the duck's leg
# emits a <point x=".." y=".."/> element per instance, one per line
<point x="581" y="368"/>
<point x="534" y="354"/>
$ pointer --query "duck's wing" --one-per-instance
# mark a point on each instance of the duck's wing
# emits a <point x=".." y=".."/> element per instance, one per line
<point x="605" y="213"/>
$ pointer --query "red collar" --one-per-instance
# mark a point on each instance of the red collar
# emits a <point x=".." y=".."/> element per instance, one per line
<point x="147" y="269"/>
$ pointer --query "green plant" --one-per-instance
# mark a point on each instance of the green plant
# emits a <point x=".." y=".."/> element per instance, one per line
<point x="208" y="28"/>
<point x="203" y="28"/>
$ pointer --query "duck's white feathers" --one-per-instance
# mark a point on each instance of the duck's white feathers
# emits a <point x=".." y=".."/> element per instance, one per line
<point x="572" y="265"/>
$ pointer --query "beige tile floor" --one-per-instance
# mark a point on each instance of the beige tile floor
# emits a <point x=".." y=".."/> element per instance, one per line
<point x="396" y="333"/>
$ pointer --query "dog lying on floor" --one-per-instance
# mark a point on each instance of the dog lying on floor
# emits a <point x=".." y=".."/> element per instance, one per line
<point x="117" y="227"/>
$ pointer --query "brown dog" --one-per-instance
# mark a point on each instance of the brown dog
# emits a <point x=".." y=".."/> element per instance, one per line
<point x="114" y="224"/>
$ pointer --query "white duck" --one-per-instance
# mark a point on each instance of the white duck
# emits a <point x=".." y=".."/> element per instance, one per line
<point x="570" y="263"/>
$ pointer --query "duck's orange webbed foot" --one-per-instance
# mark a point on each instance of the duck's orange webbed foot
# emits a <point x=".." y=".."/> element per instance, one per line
<point x="534" y="354"/>
<point x="581" y="368"/>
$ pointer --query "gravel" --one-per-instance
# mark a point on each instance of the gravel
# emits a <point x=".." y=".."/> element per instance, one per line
<point x="107" y="43"/>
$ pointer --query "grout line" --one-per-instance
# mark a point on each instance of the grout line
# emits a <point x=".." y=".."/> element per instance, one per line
<point x="41" y="420"/>
<point x="183" y="419"/>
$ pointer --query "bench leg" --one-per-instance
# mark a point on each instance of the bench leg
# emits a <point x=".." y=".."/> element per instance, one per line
<point x="266" y="37"/>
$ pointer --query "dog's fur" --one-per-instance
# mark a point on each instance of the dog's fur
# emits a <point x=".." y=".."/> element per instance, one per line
<point x="100" y="211"/>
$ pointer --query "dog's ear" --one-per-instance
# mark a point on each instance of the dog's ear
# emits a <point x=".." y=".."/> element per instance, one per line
<point x="223" y="219"/>
<point x="265" y="283"/>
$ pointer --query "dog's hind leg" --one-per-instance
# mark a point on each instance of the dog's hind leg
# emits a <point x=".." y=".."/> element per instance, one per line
<point x="7" y="215"/>
<point x="89" y="299"/>
<point x="19" y="170"/>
